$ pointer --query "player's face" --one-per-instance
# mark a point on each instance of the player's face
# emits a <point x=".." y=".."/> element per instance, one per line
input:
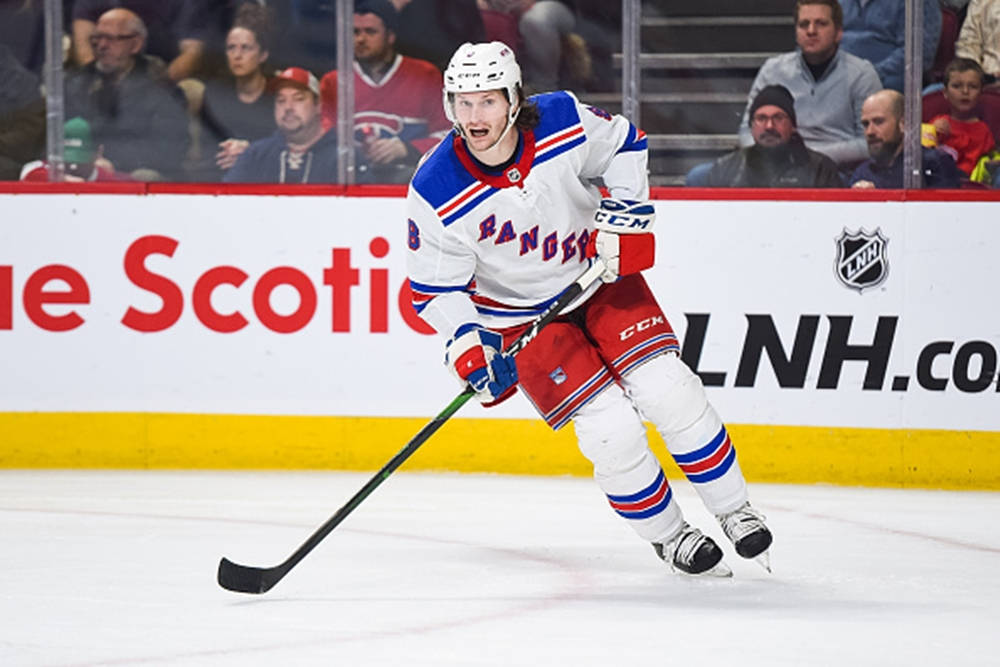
<point x="372" y="42"/>
<point x="483" y="117"/>
<point x="816" y="34"/>
<point x="962" y="91"/>
<point x="296" y="112"/>
<point x="883" y="130"/>
<point x="771" y="126"/>
<point x="243" y="52"/>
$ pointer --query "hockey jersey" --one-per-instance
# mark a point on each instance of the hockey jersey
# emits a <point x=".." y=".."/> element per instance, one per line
<point x="406" y="103"/>
<point x="498" y="248"/>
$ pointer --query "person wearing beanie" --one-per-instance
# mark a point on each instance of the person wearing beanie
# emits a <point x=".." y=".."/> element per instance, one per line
<point x="778" y="157"/>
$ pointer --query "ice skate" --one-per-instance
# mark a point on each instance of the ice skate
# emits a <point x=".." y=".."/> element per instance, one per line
<point x="745" y="528"/>
<point x="692" y="552"/>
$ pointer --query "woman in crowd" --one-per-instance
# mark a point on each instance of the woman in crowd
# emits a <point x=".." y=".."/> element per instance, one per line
<point x="239" y="107"/>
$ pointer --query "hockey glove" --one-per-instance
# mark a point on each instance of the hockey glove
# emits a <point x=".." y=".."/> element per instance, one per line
<point x="475" y="355"/>
<point x="622" y="240"/>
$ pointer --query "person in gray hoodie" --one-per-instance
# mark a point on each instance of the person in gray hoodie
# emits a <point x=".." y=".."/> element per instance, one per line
<point x="829" y="85"/>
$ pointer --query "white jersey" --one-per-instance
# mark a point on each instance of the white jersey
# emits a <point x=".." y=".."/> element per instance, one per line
<point x="497" y="248"/>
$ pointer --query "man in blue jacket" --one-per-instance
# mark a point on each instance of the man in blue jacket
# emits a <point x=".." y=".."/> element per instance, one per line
<point x="299" y="152"/>
<point x="882" y="118"/>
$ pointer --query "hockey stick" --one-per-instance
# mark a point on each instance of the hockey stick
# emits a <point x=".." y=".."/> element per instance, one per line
<point x="248" y="579"/>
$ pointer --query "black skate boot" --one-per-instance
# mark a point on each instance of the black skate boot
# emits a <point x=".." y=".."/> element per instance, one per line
<point x="692" y="552"/>
<point x="745" y="528"/>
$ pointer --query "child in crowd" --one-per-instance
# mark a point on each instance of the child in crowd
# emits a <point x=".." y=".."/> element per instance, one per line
<point x="960" y="132"/>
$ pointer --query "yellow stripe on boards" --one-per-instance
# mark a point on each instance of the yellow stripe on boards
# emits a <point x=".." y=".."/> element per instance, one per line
<point x="785" y="454"/>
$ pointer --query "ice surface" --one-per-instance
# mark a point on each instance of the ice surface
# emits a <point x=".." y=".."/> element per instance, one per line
<point x="118" y="568"/>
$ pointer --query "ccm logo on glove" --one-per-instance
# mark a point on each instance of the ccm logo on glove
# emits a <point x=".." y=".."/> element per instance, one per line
<point x="624" y="216"/>
<point x="622" y="241"/>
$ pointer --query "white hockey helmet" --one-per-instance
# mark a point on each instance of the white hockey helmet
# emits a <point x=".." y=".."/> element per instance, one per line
<point x="481" y="67"/>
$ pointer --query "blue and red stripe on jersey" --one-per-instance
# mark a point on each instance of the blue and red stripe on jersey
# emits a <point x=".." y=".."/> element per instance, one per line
<point x="464" y="202"/>
<point x="635" y="141"/>
<point x="646" y="503"/>
<point x="550" y="147"/>
<point x="644" y="351"/>
<point x="487" y="306"/>
<point x="709" y="462"/>
<point x="422" y="294"/>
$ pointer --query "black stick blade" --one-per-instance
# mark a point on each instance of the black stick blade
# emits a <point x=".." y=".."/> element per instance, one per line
<point x="246" y="579"/>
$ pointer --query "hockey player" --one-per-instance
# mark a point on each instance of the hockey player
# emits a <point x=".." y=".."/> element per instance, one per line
<point x="501" y="218"/>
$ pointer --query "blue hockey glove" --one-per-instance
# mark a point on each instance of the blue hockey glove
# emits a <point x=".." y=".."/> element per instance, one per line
<point x="475" y="355"/>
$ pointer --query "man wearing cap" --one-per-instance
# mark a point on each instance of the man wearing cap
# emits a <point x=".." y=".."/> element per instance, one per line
<point x="828" y="84"/>
<point x="82" y="159"/>
<point x="397" y="109"/>
<point x="300" y="151"/>
<point x="778" y="157"/>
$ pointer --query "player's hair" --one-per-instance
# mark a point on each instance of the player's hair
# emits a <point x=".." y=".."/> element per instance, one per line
<point x="528" y="116"/>
<point x="959" y="65"/>
<point x="836" y="11"/>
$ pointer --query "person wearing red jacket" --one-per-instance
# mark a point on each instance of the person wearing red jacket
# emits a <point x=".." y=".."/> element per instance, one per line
<point x="397" y="99"/>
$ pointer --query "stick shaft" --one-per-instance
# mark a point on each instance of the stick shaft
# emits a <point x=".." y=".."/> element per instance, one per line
<point x="258" y="580"/>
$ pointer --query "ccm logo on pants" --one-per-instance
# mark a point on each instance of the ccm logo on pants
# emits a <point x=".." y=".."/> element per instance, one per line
<point x="641" y="325"/>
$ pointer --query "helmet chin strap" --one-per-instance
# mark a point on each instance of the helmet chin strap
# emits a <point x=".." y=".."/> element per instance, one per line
<point x="511" y="117"/>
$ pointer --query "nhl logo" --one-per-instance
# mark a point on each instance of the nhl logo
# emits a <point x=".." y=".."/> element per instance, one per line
<point x="862" y="262"/>
<point x="513" y="175"/>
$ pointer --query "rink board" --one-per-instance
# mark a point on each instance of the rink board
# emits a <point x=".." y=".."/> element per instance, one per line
<point x="844" y="342"/>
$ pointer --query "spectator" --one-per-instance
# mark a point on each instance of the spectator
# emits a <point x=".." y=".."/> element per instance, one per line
<point x="135" y="113"/>
<point x="175" y="30"/>
<point x="979" y="38"/>
<point x="960" y="132"/>
<point x="397" y="99"/>
<point x="829" y="85"/>
<point x="882" y="118"/>
<point x="300" y="151"/>
<point x="778" y="157"/>
<point x="22" y="116"/>
<point x="540" y="31"/>
<point x="875" y="30"/>
<point x="432" y="30"/>
<point x="82" y="159"/>
<point x="239" y="108"/>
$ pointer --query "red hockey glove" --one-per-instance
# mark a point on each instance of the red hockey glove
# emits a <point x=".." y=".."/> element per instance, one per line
<point x="622" y="241"/>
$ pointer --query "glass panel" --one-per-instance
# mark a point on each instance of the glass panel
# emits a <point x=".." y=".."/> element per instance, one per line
<point x="259" y="116"/>
<point x="699" y="63"/>
<point x="22" y="108"/>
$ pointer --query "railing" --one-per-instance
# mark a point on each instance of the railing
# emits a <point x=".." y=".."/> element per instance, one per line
<point x="674" y="74"/>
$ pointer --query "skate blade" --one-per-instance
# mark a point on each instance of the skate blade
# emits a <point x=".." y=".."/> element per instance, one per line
<point x="719" y="570"/>
<point x="764" y="560"/>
